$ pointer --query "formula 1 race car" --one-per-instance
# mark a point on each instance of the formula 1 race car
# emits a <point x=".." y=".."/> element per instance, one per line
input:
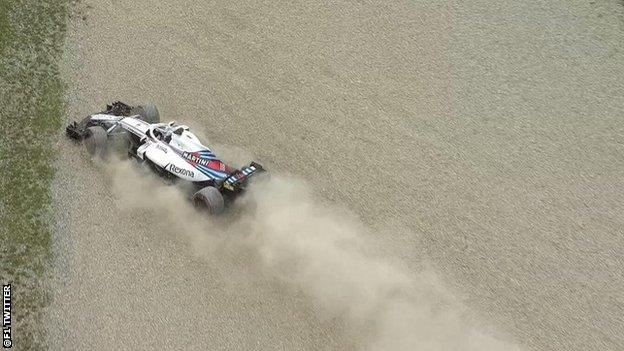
<point x="171" y="150"/>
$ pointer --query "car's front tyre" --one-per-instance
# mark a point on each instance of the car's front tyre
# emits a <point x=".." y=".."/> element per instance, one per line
<point x="96" y="141"/>
<point x="148" y="112"/>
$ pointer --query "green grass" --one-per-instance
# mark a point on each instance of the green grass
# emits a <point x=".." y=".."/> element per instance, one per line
<point x="31" y="107"/>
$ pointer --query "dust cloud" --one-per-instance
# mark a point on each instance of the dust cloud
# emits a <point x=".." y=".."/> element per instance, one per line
<point x="297" y="240"/>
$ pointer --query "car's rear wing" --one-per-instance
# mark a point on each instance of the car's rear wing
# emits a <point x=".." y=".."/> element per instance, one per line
<point x="238" y="179"/>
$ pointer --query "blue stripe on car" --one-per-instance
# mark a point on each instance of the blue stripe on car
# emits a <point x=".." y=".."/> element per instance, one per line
<point x="211" y="172"/>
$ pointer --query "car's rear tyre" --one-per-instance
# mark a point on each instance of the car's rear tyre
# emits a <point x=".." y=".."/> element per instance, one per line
<point x="149" y="113"/>
<point x="209" y="198"/>
<point x="96" y="141"/>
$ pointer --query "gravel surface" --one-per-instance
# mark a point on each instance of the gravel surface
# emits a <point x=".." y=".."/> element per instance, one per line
<point x="482" y="140"/>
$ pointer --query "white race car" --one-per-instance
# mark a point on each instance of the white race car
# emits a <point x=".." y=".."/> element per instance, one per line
<point x="171" y="150"/>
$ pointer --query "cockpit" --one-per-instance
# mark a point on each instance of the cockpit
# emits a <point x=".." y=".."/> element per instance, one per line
<point x="165" y="131"/>
<point x="175" y="135"/>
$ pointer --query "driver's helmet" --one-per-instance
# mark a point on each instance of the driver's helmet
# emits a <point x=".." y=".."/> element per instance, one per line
<point x="167" y="135"/>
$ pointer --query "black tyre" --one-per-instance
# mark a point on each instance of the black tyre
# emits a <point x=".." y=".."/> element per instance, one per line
<point x="209" y="198"/>
<point x="149" y="113"/>
<point x="96" y="141"/>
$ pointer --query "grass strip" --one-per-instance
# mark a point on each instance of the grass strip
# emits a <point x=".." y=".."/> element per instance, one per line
<point x="31" y="107"/>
